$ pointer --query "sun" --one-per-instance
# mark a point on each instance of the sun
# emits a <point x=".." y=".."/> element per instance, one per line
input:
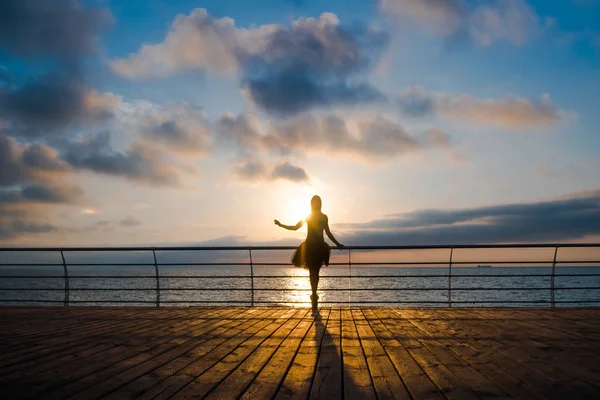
<point x="297" y="209"/>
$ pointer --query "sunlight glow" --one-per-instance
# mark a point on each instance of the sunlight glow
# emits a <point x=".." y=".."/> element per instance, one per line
<point x="297" y="209"/>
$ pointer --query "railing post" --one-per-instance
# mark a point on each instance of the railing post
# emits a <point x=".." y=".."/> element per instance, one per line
<point x="66" y="275"/>
<point x="552" y="278"/>
<point x="350" y="277"/>
<point x="450" y="279"/>
<point x="157" y="276"/>
<point x="251" y="275"/>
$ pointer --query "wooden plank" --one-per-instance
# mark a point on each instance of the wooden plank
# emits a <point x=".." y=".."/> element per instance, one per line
<point x="213" y="376"/>
<point x="387" y="382"/>
<point x="212" y="351"/>
<point x="327" y="382"/>
<point x="357" y="380"/>
<point x="414" y="377"/>
<point x="439" y="345"/>
<point x="298" y="380"/>
<point x="127" y="358"/>
<point x="271" y="377"/>
<point x="52" y="340"/>
<point x="186" y="354"/>
<point x="448" y="383"/>
<point x="65" y="373"/>
<point x="240" y="379"/>
<point x="550" y="387"/>
<point x="50" y="356"/>
<point x="510" y="384"/>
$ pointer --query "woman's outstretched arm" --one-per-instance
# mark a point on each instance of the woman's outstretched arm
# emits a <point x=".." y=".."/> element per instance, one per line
<point x="290" y="227"/>
<point x="330" y="235"/>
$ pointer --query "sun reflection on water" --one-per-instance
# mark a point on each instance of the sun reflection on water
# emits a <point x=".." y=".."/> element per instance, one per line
<point x="298" y="285"/>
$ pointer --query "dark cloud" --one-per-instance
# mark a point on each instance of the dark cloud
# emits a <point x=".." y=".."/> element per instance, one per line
<point x="32" y="177"/>
<point x="12" y="228"/>
<point x="44" y="106"/>
<point x="138" y="163"/>
<point x="129" y="221"/>
<point x="38" y="193"/>
<point x="31" y="165"/>
<point x="289" y="93"/>
<point x="257" y="171"/>
<point x="289" y="172"/>
<point x="179" y="127"/>
<point x="555" y="220"/>
<point x="50" y="28"/>
<point x="376" y="138"/>
<point x="60" y="35"/>
<point x="251" y="171"/>
<point x="313" y="63"/>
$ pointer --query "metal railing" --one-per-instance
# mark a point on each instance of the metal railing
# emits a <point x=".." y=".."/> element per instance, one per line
<point x="251" y="262"/>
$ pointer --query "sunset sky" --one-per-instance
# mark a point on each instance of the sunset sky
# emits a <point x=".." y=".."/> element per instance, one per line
<point x="189" y="122"/>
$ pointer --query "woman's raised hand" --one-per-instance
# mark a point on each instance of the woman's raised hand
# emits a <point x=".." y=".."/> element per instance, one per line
<point x="277" y="222"/>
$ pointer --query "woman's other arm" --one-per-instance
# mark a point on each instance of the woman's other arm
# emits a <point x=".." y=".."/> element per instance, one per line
<point x="290" y="227"/>
<point x="330" y="235"/>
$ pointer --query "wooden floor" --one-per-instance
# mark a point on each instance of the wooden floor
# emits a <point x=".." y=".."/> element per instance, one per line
<point x="281" y="353"/>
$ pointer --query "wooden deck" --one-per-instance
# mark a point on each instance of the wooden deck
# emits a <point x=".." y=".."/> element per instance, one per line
<point x="284" y="353"/>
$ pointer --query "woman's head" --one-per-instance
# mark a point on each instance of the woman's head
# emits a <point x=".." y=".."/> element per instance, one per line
<point x="315" y="203"/>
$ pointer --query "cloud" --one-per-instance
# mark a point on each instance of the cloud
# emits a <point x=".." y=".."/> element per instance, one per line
<point x="26" y="164"/>
<point x="509" y="112"/>
<point x="58" y="38"/>
<point x="40" y="193"/>
<point x="254" y="170"/>
<point x="512" y="21"/>
<point x="180" y="127"/>
<point x="546" y="221"/>
<point x="283" y="69"/>
<point x="443" y="17"/>
<point x="44" y="106"/>
<point x="11" y="228"/>
<point x="62" y="30"/>
<point x="129" y="221"/>
<point x="289" y="93"/>
<point x="374" y="139"/>
<point x="289" y="172"/>
<point x="197" y="40"/>
<point x="32" y="177"/>
<point x="139" y="162"/>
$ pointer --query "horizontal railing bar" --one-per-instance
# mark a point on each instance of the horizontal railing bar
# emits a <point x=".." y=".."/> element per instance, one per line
<point x="32" y="301"/>
<point x="233" y="264"/>
<point x="304" y="290"/>
<point x="301" y="302"/>
<point x="290" y="276"/>
<point x="304" y="302"/>
<point x="258" y="248"/>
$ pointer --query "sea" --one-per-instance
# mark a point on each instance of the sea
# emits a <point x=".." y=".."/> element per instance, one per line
<point x="288" y="286"/>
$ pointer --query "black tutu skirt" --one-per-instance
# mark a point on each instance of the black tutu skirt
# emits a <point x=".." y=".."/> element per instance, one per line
<point x="312" y="254"/>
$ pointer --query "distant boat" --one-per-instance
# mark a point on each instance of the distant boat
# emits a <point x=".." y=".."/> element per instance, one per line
<point x="484" y="266"/>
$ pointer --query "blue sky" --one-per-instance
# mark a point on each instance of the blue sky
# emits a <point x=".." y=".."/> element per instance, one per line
<point x="151" y="122"/>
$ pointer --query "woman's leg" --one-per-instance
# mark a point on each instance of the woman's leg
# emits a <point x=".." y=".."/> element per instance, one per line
<point x="314" y="284"/>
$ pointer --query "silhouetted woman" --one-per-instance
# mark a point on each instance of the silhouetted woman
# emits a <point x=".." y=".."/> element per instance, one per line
<point x="313" y="252"/>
